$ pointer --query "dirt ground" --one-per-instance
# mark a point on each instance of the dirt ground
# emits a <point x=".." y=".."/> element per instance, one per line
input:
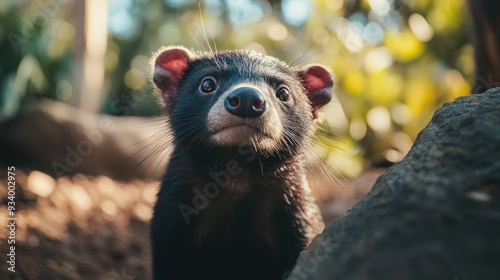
<point x="95" y="228"/>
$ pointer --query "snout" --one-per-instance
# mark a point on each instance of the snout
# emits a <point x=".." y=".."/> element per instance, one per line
<point x="245" y="102"/>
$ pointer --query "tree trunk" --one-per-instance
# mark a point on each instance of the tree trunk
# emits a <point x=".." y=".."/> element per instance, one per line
<point x="90" y="49"/>
<point x="486" y="40"/>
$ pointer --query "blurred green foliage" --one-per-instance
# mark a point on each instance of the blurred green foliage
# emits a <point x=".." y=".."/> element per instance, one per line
<point x="395" y="62"/>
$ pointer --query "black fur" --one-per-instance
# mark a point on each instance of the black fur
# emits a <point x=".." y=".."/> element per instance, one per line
<point x="202" y="227"/>
<point x="188" y="112"/>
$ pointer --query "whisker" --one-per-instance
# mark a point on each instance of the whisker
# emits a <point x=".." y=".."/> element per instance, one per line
<point x="299" y="59"/>
<point x="204" y="30"/>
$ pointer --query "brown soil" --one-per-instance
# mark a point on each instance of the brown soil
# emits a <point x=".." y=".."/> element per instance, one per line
<point x="96" y="228"/>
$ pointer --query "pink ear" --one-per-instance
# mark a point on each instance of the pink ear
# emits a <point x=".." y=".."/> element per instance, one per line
<point x="318" y="83"/>
<point x="170" y="66"/>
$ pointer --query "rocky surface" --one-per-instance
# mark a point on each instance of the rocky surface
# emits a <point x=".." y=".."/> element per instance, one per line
<point x="434" y="215"/>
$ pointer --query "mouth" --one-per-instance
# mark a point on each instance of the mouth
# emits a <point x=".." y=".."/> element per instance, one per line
<point x="239" y="134"/>
<point x="238" y="129"/>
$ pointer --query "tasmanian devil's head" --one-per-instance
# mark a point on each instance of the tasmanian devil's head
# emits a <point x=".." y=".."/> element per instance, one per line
<point x="239" y="98"/>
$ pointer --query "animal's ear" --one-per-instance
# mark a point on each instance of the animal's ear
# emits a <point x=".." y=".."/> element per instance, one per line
<point x="169" y="68"/>
<point x="318" y="83"/>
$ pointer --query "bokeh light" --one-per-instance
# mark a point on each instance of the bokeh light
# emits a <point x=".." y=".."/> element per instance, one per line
<point x="296" y="12"/>
<point x="394" y="62"/>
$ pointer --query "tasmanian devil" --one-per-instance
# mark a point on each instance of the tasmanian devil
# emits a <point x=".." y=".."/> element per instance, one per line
<point x="234" y="202"/>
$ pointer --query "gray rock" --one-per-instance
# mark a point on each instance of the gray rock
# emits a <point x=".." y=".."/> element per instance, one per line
<point x="434" y="215"/>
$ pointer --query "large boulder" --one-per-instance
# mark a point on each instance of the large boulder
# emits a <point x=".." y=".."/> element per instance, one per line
<point x="434" y="215"/>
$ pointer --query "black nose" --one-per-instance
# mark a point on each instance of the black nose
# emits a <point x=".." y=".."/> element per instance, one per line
<point x="245" y="102"/>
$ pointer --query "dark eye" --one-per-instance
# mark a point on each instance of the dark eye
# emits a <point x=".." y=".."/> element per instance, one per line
<point x="208" y="84"/>
<point x="283" y="94"/>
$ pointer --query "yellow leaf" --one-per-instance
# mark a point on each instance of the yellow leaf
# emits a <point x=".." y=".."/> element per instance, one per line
<point x="384" y="88"/>
<point x="354" y="82"/>
<point x="420" y="95"/>
<point x="404" y="45"/>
